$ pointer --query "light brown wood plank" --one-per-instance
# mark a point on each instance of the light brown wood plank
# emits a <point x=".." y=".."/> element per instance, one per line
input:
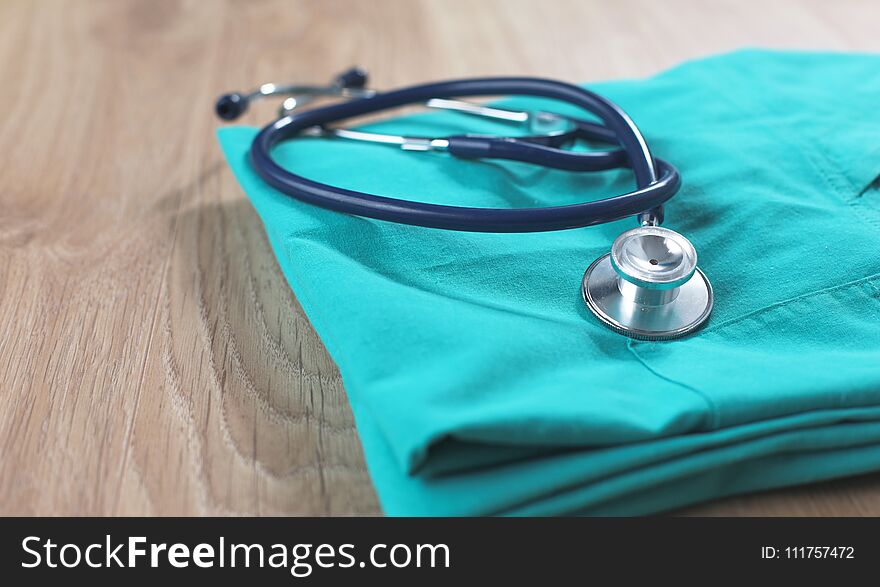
<point x="152" y="359"/>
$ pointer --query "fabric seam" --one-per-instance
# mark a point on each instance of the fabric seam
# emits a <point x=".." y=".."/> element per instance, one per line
<point x="714" y="416"/>
<point x="870" y="279"/>
<point x="632" y="345"/>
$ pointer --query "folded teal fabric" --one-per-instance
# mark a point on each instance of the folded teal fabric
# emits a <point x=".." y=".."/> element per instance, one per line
<point x="480" y="382"/>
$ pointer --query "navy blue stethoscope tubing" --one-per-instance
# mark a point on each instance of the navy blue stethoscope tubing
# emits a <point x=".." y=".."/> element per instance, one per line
<point x="545" y="150"/>
<point x="656" y="180"/>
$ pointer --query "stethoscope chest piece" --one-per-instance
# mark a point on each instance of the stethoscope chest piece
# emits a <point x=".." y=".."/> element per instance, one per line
<point x="649" y="286"/>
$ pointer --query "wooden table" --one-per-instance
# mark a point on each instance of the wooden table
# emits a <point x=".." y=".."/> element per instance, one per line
<point x="152" y="358"/>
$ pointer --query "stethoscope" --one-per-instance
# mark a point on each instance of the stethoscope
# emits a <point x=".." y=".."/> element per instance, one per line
<point x="647" y="287"/>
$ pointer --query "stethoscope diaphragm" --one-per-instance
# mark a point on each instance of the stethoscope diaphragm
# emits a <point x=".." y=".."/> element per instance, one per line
<point x="649" y="286"/>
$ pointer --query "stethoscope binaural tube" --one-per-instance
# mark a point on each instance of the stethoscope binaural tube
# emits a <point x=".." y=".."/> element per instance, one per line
<point x="657" y="181"/>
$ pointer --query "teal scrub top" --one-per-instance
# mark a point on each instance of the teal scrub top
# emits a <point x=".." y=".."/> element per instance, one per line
<point x="480" y="382"/>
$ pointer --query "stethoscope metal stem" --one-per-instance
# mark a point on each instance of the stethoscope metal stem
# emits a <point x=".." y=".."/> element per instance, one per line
<point x="404" y="142"/>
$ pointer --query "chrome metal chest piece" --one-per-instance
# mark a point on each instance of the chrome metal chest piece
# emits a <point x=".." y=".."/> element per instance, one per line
<point x="649" y="286"/>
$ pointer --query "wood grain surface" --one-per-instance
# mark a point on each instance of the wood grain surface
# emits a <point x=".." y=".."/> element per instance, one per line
<point x="152" y="358"/>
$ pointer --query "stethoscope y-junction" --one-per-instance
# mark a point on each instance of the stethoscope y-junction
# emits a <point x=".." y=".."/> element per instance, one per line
<point x="648" y="286"/>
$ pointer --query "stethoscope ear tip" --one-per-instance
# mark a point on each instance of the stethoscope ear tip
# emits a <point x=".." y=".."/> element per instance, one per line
<point x="355" y="78"/>
<point x="231" y="106"/>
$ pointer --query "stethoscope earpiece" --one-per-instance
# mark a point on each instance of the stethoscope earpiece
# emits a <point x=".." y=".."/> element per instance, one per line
<point x="354" y="78"/>
<point x="649" y="286"/>
<point x="231" y="106"/>
<point x="348" y="84"/>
